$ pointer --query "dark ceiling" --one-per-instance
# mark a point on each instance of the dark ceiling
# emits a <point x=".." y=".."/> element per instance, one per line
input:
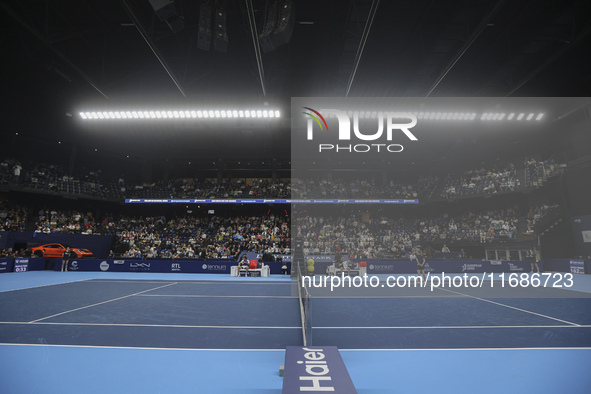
<point x="63" y="56"/>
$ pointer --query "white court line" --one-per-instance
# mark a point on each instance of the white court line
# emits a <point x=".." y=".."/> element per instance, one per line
<point x="283" y="350"/>
<point x="143" y="348"/>
<point x="447" y="327"/>
<point x="215" y="296"/>
<point x="100" y="303"/>
<point x="204" y="282"/>
<point x="512" y="307"/>
<point x="147" y="325"/>
<point x="287" y="327"/>
<point x="295" y="297"/>
<point x="51" y="284"/>
<point x="462" y="349"/>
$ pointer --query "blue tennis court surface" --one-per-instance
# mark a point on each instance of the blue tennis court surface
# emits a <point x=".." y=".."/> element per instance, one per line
<point x="161" y="333"/>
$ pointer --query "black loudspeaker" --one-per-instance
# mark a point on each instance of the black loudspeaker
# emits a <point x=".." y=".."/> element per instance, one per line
<point x="220" y="40"/>
<point x="269" y="26"/>
<point x="204" y="28"/>
<point x="285" y="23"/>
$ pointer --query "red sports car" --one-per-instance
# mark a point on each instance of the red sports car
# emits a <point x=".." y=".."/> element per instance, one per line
<point x="57" y="250"/>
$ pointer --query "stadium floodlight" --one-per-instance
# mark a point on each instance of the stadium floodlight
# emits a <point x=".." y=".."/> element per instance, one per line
<point x="521" y="115"/>
<point x="511" y="116"/>
<point x="483" y="117"/>
<point x="184" y="114"/>
<point x="530" y="117"/>
<point x="473" y="116"/>
<point x="420" y="115"/>
<point x="539" y="117"/>
<point x="502" y="116"/>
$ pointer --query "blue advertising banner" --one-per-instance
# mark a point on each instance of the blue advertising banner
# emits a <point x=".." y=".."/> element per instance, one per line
<point x="219" y="266"/>
<point x="447" y="266"/>
<point x="6" y="265"/>
<point x="21" y="265"/>
<point x="315" y="369"/>
<point x="577" y="266"/>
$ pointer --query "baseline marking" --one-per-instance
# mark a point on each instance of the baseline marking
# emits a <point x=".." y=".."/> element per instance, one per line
<point x="449" y="327"/>
<point x="283" y="350"/>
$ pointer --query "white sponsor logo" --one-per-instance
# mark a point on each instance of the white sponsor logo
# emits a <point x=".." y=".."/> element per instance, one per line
<point x="104" y="266"/>
<point x="470" y="267"/>
<point x="317" y="371"/>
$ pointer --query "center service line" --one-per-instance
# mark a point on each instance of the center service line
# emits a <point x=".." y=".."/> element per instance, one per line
<point x="100" y="303"/>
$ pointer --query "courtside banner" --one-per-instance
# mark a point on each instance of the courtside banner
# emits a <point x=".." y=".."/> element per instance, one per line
<point x="315" y="369"/>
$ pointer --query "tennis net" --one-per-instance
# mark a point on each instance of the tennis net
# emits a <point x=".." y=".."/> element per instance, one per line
<point x="305" y="309"/>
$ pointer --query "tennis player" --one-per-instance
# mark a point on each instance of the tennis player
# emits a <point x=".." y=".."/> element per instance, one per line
<point x="421" y="264"/>
<point x="243" y="263"/>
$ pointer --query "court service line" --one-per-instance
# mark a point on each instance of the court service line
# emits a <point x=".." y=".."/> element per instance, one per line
<point x="513" y="307"/>
<point x="295" y="297"/>
<point x="150" y="325"/>
<point x="100" y="303"/>
<point x="215" y="296"/>
<point x="50" y="284"/>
